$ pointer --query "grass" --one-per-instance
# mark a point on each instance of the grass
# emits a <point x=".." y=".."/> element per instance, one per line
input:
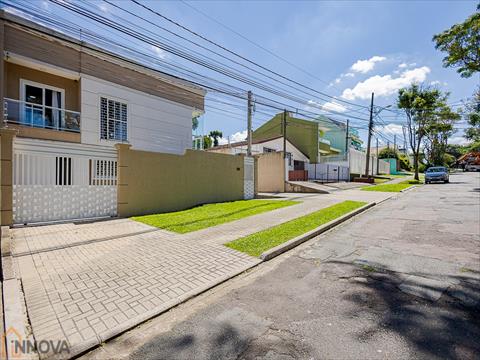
<point x="256" y="244"/>
<point x="208" y="215"/>
<point x="379" y="181"/>
<point x="391" y="187"/>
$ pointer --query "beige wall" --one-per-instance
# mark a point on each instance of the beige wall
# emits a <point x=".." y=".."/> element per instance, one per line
<point x="271" y="172"/>
<point x="151" y="182"/>
<point x="6" y="176"/>
<point x="14" y="72"/>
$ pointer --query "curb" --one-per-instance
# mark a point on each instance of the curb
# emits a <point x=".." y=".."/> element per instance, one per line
<point x="14" y="316"/>
<point x="409" y="188"/>
<point x="280" y="249"/>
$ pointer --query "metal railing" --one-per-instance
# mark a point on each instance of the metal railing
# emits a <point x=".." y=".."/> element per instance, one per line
<point x="40" y="116"/>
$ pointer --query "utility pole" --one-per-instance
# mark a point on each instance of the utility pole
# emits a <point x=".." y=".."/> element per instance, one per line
<point x="249" y="124"/>
<point x="394" y="142"/>
<point x="378" y="160"/>
<point x="284" y="124"/>
<point x="347" y="138"/>
<point x="370" y="128"/>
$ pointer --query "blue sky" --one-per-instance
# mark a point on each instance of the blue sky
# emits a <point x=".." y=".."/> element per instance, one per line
<point x="351" y="48"/>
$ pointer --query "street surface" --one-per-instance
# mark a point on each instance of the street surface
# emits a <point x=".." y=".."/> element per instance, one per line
<point x="399" y="281"/>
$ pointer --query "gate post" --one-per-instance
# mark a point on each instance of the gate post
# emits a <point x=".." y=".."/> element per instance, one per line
<point x="122" y="178"/>
<point x="6" y="175"/>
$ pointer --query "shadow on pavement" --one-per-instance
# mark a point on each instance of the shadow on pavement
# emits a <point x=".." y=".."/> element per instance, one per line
<point x="446" y="328"/>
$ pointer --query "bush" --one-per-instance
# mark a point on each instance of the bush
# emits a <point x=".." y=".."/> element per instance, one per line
<point x="388" y="153"/>
<point x="404" y="162"/>
<point x="422" y="168"/>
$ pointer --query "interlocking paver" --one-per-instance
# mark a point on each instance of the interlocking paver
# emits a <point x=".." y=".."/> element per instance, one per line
<point x="91" y="291"/>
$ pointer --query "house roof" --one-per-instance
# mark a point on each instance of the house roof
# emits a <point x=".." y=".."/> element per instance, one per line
<point x="244" y="142"/>
<point x="260" y="141"/>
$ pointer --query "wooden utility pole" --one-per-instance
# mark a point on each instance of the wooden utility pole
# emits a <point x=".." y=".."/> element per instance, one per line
<point x="284" y="125"/>
<point x="249" y="124"/>
<point x="370" y="128"/>
<point x="378" y="160"/>
<point x="394" y="142"/>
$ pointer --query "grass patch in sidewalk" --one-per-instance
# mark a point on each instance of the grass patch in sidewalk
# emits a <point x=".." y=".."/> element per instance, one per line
<point x="256" y="244"/>
<point x="391" y="187"/>
<point x="208" y="215"/>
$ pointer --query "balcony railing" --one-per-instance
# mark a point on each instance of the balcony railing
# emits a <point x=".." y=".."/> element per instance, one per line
<point x="40" y="116"/>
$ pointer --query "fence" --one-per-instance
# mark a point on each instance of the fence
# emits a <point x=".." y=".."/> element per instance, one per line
<point x="150" y="182"/>
<point x="357" y="163"/>
<point x="328" y="172"/>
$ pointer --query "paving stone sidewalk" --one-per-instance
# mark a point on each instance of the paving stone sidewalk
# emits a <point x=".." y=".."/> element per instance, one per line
<point x="91" y="291"/>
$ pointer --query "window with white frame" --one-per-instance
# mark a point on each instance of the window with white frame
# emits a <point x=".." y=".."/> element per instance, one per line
<point x="113" y="120"/>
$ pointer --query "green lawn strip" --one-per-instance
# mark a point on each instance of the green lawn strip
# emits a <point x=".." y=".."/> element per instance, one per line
<point x="208" y="215"/>
<point x="255" y="244"/>
<point x="391" y="187"/>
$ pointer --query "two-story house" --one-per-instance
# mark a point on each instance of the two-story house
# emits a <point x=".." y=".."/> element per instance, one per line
<point x="68" y="103"/>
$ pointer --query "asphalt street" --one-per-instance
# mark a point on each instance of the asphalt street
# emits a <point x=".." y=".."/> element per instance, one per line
<point x="400" y="281"/>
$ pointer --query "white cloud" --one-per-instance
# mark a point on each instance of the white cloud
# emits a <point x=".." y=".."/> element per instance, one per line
<point x="364" y="66"/>
<point x="159" y="52"/>
<point x="333" y="106"/>
<point x="458" y="140"/>
<point x="238" y="136"/>
<point x="385" y="85"/>
<point x="402" y="65"/>
<point x="391" y="129"/>
<point x="436" y="82"/>
<point x="349" y="75"/>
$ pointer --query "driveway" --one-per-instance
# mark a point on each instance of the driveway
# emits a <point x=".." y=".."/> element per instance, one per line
<point x="401" y="281"/>
<point x="85" y="283"/>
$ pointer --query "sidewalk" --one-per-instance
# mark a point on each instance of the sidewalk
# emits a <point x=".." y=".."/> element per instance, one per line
<point x="87" y="283"/>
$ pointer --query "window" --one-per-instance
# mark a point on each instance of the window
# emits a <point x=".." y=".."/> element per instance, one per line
<point x="43" y="105"/>
<point x="113" y="120"/>
<point x="63" y="173"/>
<point x="268" y="150"/>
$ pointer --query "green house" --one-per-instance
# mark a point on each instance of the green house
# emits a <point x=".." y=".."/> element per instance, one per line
<point x="307" y="135"/>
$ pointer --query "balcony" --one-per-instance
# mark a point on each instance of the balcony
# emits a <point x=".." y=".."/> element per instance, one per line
<point x="40" y="116"/>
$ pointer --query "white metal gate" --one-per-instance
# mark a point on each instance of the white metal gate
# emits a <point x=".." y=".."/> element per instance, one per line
<point x="60" y="181"/>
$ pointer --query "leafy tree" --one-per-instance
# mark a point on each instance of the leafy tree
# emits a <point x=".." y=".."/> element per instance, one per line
<point x="215" y="135"/>
<point x="462" y="44"/>
<point x="427" y="113"/>
<point x="473" y="118"/>
<point x="207" y="142"/>
<point x="195" y="123"/>
<point x="456" y="150"/>
<point x="388" y="153"/>
<point x="438" y="130"/>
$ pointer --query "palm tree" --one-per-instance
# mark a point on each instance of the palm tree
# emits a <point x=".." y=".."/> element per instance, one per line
<point x="215" y="134"/>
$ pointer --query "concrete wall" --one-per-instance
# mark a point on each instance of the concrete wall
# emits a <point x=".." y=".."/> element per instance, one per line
<point x="6" y="176"/>
<point x="271" y="172"/>
<point x="151" y="182"/>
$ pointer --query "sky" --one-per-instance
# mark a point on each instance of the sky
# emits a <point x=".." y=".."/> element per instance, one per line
<point x="343" y="49"/>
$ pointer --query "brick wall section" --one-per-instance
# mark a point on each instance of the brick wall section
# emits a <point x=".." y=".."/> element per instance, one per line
<point x="150" y="182"/>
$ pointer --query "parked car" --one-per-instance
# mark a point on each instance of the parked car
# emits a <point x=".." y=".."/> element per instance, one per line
<point x="437" y="173"/>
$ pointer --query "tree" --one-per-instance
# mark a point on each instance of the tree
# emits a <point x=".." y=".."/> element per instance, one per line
<point x="207" y="142"/>
<point x="462" y="44"/>
<point x="438" y="130"/>
<point x="473" y="118"/>
<point x="423" y="107"/>
<point x="195" y="123"/>
<point x="388" y="153"/>
<point x="215" y="135"/>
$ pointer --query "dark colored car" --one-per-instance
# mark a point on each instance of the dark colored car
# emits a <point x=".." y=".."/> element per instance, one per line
<point x="437" y="173"/>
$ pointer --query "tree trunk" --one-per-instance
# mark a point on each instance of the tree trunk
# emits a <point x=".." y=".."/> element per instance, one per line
<point x="415" y="165"/>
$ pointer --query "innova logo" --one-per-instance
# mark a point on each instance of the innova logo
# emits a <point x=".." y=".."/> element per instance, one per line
<point x="13" y="346"/>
